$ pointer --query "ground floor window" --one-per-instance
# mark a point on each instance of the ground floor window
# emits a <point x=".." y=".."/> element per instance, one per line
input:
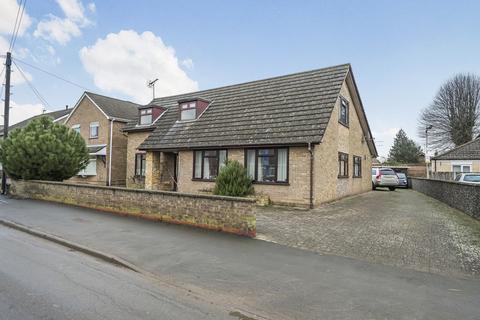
<point x="267" y="165"/>
<point x="459" y="168"/>
<point x="91" y="169"/>
<point x="342" y="165"/>
<point x="207" y="163"/>
<point x="140" y="164"/>
<point x="357" y="167"/>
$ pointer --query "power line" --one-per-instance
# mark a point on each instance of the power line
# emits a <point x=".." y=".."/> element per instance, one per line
<point x="35" y="91"/>
<point x="52" y="74"/>
<point x="19" y="24"/>
<point x="15" y="25"/>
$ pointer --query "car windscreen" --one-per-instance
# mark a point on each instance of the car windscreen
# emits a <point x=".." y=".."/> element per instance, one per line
<point x="401" y="175"/>
<point x="472" y="178"/>
<point x="387" y="172"/>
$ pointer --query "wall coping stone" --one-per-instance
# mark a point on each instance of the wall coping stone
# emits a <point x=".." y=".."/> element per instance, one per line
<point x="448" y="181"/>
<point x="159" y="192"/>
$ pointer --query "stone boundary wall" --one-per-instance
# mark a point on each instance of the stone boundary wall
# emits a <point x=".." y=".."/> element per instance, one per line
<point x="462" y="196"/>
<point x="227" y="214"/>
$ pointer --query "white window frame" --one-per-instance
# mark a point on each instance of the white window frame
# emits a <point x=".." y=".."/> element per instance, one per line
<point x="76" y="127"/>
<point x="91" y="169"/>
<point x="462" y="165"/>
<point x="146" y="114"/>
<point x="185" y="107"/>
<point x="94" y="125"/>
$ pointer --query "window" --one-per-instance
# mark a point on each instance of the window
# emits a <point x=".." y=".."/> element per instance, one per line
<point x="140" y="164"/>
<point x="91" y="169"/>
<point x="146" y="116"/>
<point x="76" y="128"/>
<point x="342" y="165"/>
<point x="267" y="165"/>
<point x="458" y="168"/>
<point x="343" y="118"/>
<point x="94" y="129"/>
<point x="188" y="111"/>
<point x="357" y="167"/>
<point x="207" y="163"/>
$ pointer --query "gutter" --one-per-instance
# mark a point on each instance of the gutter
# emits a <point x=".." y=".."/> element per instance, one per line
<point x="310" y="149"/>
<point x="110" y="154"/>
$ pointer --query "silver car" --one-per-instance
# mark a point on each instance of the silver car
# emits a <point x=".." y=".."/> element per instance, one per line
<point x="384" y="177"/>
<point x="470" y="177"/>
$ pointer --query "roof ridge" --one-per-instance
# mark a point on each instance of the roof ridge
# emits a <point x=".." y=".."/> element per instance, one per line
<point x="255" y="81"/>
<point x="104" y="96"/>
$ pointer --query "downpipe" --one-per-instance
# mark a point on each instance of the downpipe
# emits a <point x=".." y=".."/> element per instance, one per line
<point x="310" y="149"/>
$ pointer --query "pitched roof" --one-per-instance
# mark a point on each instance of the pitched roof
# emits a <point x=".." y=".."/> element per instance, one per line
<point x="285" y="110"/>
<point x="114" y="108"/>
<point x="466" y="151"/>
<point x="55" y="115"/>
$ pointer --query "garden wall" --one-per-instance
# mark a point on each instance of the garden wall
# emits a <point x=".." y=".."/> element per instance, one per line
<point x="227" y="214"/>
<point x="462" y="196"/>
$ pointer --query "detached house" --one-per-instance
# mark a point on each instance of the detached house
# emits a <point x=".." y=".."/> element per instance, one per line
<point x="100" y="121"/>
<point x="464" y="158"/>
<point x="303" y="138"/>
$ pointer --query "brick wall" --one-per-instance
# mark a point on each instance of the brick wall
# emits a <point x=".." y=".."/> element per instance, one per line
<point x="462" y="196"/>
<point x="227" y="214"/>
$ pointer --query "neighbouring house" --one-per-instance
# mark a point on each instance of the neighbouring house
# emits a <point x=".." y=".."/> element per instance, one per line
<point x="100" y="121"/>
<point x="304" y="138"/>
<point x="464" y="158"/>
<point x="57" y="116"/>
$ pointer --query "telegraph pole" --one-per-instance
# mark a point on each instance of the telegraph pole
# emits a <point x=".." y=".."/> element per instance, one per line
<point x="6" y="112"/>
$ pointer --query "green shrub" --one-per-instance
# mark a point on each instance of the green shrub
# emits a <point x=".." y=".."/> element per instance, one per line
<point x="43" y="150"/>
<point x="233" y="180"/>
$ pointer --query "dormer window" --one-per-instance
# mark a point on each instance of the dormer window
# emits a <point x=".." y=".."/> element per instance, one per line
<point x="146" y="116"/>
<point x="188" y="111"/>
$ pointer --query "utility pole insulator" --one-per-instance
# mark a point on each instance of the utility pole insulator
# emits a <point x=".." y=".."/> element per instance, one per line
<point x="6" y="112"/>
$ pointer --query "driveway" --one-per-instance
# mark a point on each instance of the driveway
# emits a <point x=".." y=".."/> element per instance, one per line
<point x="402" y="228"/>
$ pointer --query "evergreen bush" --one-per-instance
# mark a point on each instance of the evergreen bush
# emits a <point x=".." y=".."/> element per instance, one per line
<point x="233" y="180"/>
<point x="43" y="150"/>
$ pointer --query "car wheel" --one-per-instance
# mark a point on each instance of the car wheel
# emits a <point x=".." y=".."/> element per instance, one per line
<point x="391" y="188"/>
<point x="373" y="186"/>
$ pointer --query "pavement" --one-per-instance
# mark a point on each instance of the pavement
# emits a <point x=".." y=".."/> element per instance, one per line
<point x="266" y="279"/>
<point x="42" y="280"/>
<point x="403" y="228"/>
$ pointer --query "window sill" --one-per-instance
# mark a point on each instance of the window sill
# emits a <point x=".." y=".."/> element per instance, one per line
<point x="271" y="183"/>
<point x="357" y="177"/>
<point x="343" y="177"/>
<point x="93" y="138"/>
<point x="203" y="180"/>
<point x="343" y="124"/>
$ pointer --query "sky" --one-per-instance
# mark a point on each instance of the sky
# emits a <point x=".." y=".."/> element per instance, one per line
<point x="401" y="52"/>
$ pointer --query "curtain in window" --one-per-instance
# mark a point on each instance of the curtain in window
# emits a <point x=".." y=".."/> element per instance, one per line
<point x="198" y="164"/>
<point x="222" y="158"/>
<point x="144" y="164"/>
<point x="206" y="168"/>
<point x="251" y="163"/>
<point x="282" y="165"/>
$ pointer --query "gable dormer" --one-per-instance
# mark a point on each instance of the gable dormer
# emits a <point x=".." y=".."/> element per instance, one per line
<point x="148" y="114"/>
<point x="191" y="109"/>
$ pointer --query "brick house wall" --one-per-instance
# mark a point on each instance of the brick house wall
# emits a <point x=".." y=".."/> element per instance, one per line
<point x="446" y="165"/>
<point x="85" y="113"/>
<point x="133" y="141"/>
<point x="338" y="138"/>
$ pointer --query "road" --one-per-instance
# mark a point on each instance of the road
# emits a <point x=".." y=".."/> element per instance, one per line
<point x="237" y="273"/>
<point x="42" y="280"/>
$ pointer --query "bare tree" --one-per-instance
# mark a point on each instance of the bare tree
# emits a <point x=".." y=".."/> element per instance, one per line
<point x="454" y="113"/>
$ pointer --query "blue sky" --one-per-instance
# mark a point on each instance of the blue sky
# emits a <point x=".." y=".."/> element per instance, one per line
<point x="401" y="52"/>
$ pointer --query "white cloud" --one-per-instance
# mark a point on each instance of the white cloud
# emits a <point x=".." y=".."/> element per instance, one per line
<point x="8" y="13"/>
<point x="62" y="30"/>
<point x="20" y="112"/>
<point x="92" y="7"/>
<point x="187" y="63"/>
<point x="57" y="30"/>
<point x="124" y="61"/>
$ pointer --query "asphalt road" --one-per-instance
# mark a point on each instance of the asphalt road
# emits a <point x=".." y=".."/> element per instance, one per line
<point x="42" y="280"/>
<point x="237" y="273"/>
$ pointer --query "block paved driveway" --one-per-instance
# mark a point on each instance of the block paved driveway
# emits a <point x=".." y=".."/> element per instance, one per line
<point x="402" y="228"/>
